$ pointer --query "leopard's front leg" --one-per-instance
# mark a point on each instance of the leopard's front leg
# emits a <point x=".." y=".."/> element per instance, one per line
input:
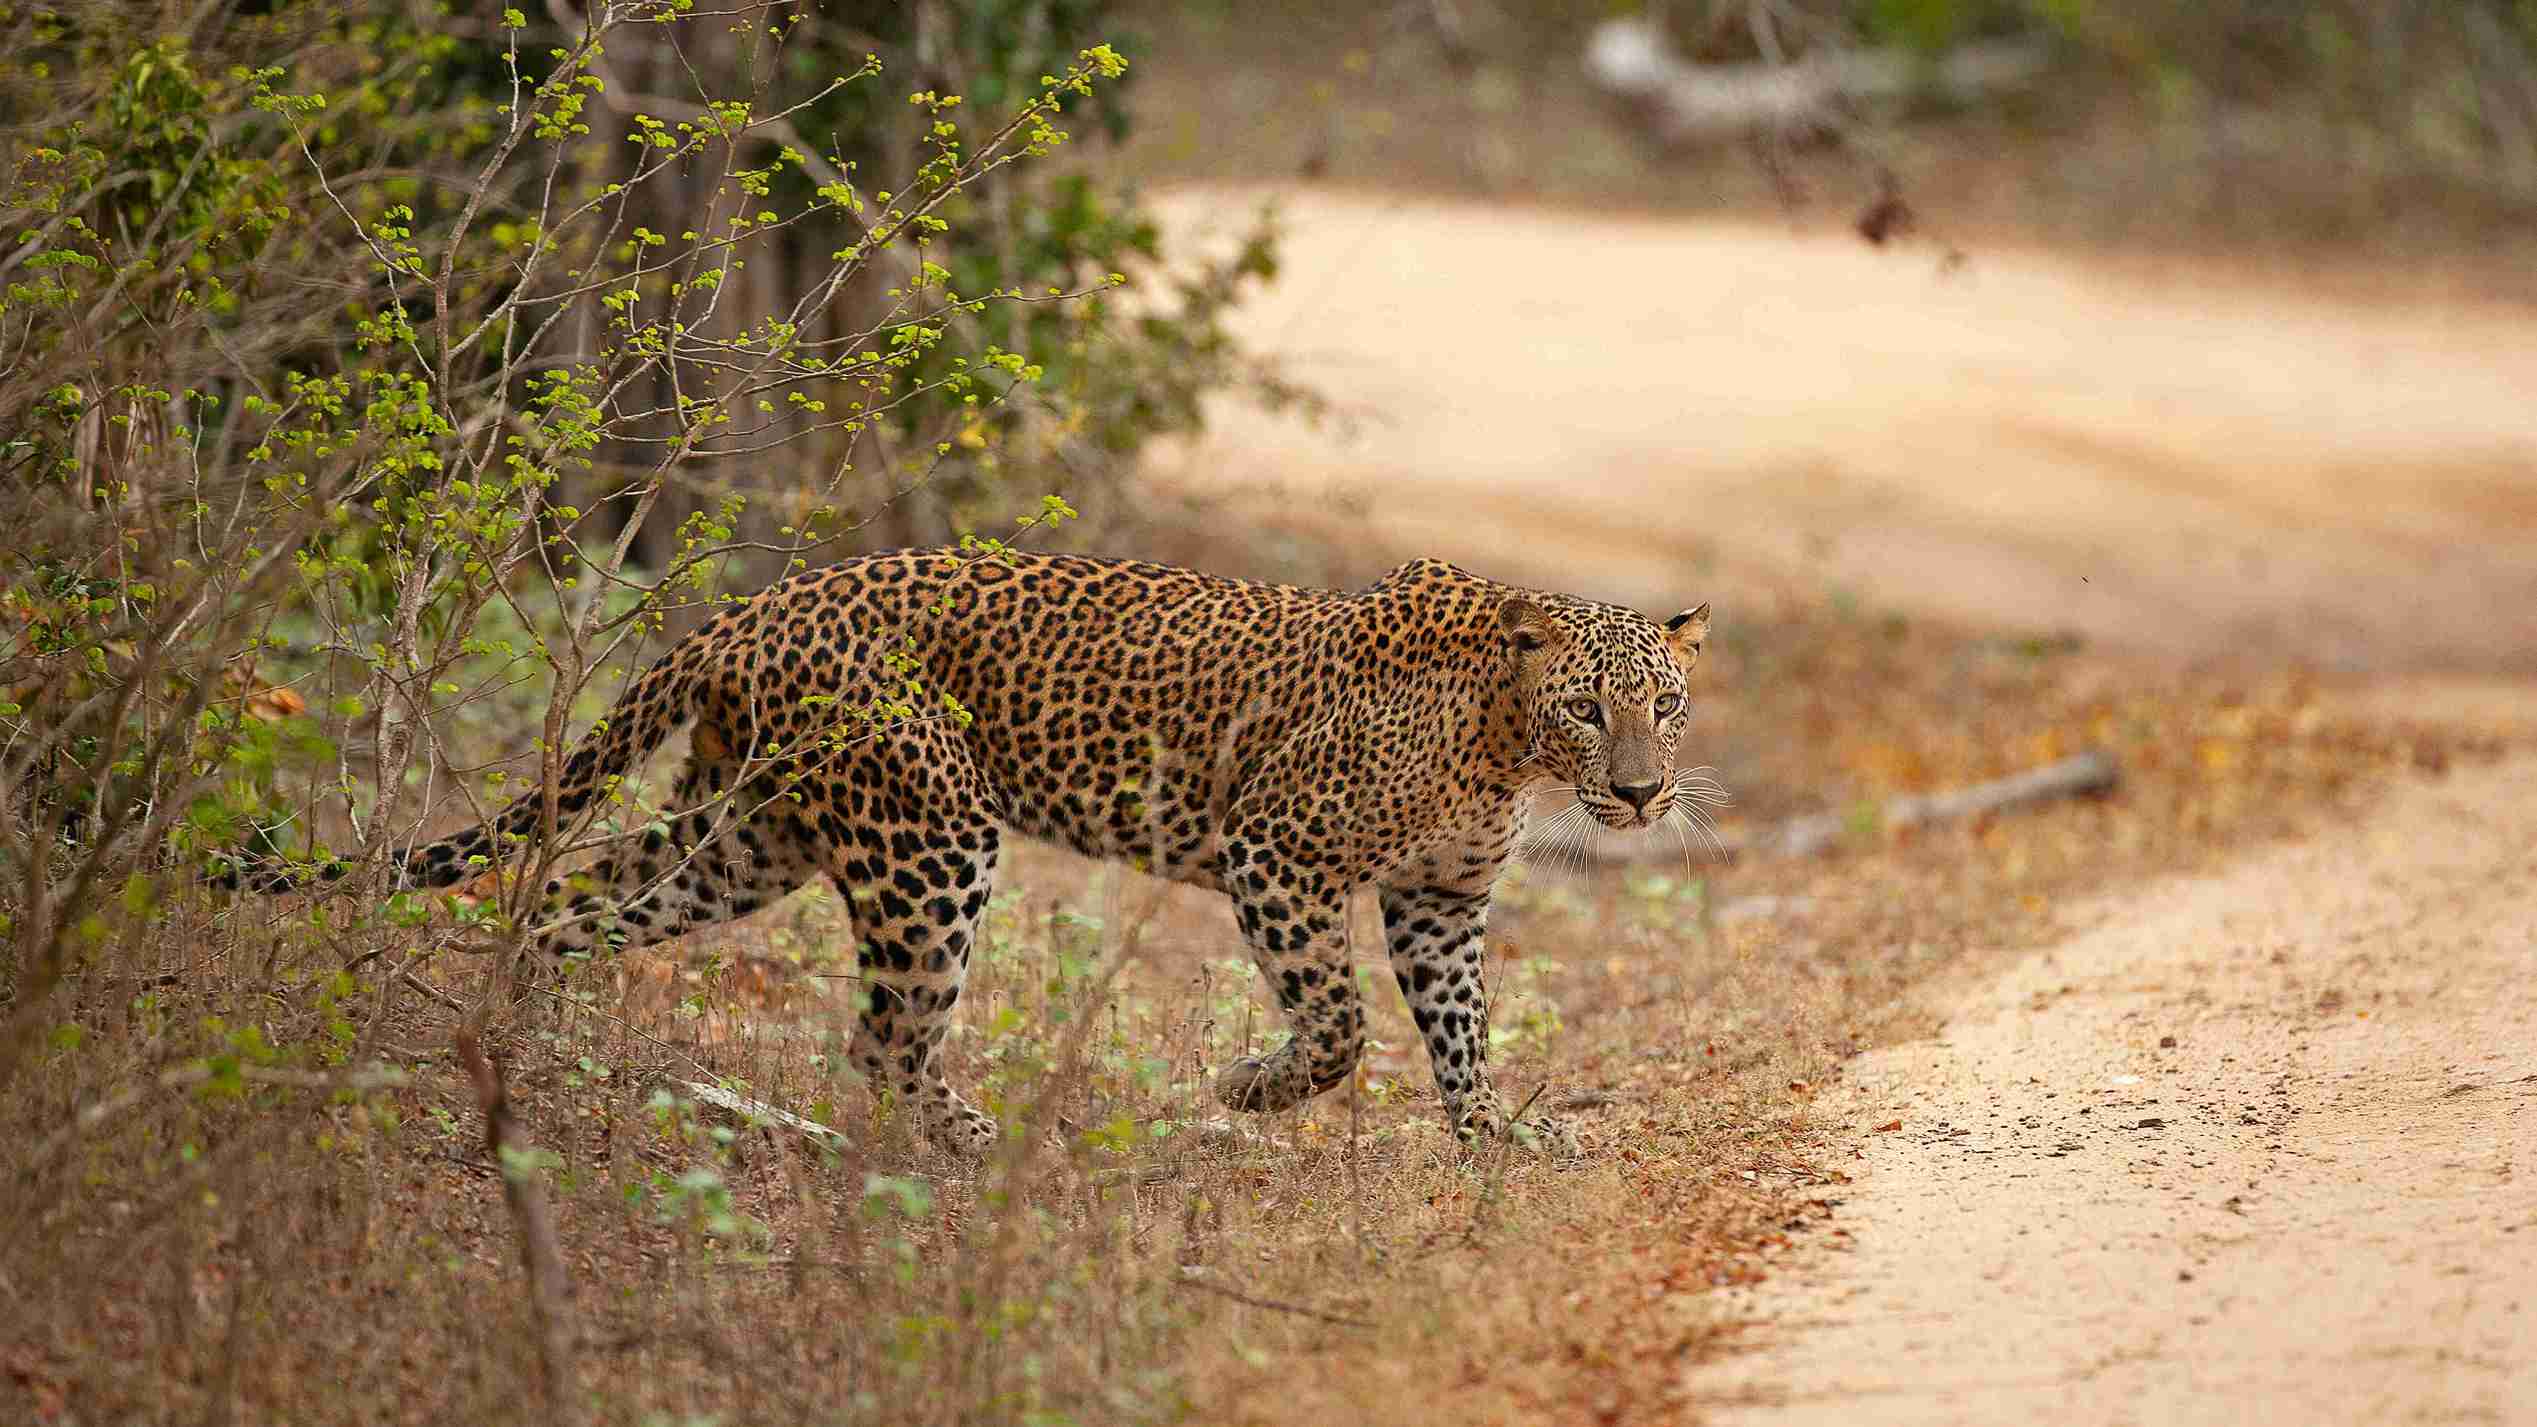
<point x="1439" y="954"/>
<point x="1295" y="919"/>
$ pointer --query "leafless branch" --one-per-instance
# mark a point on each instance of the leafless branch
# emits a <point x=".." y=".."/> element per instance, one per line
<point x="2080" y="775"/>
<point x="1195" y="1276"/>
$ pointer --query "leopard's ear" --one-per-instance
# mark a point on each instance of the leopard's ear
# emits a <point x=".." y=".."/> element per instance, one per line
<point x="1525" y="626"/>
<point x="1685" y="633"/>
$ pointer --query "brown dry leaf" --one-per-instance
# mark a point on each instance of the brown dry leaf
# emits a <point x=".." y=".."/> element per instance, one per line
<point x="1889" y="1127"/>
<point x="272" y="702"/>
<point x="262" y="699"/>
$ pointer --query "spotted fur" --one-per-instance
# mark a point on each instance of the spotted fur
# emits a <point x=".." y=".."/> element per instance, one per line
<point x="1284" y="746"/>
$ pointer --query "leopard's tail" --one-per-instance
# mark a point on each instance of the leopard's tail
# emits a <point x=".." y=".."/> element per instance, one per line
<point x="660" y="699"/>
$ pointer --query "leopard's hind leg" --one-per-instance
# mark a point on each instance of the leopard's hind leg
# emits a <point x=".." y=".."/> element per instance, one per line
<point x="729" y="844"/>
<point x="915" y="855"/>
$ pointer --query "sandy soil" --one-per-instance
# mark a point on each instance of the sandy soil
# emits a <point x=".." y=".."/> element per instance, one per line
<point x="2247" y="1147"/>
<point x="2257" y="1147"/>
<point x="2154" y="459"/>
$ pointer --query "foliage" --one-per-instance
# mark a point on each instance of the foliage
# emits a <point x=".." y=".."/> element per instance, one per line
<point x="2371" y="121"/>
<point x="2434" y="75"/>
<point x="429" y="353"/>
<point x="2453" y="87"/>
<point x="372" y="381"/>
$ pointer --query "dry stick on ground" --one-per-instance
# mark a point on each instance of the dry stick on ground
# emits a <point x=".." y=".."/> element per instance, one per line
<point x="2079" y="775"/>
<point x="1194" y="1276"/>
<point x="186" y="1077"/>
<point x="756" y="1114"/>
<point x="2090" y="772"/>
<point x="539" y="1253"/>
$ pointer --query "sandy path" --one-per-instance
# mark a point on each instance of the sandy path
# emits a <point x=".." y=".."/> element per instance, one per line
<point x="2319" y="1204"/>
<point x="2316" y="1204"/>
<point x="1636" y="408"/>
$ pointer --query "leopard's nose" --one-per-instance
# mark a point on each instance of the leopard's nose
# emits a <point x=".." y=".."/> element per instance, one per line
<point x="1637" y="795"/>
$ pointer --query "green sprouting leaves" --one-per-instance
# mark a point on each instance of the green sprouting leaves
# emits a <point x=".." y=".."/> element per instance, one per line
<point x="424" y="385"/>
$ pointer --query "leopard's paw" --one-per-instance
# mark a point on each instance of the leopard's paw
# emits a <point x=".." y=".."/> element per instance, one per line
<point x="1486" y="1124"/>
<point x="1262" y="1086"/>
<point x="958" y="1128"/>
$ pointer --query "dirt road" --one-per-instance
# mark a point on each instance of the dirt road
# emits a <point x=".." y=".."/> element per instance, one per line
<point x="2258" y="1147"/>
<point x="2158" y="461"/>
<point x="2254" y="1146"/>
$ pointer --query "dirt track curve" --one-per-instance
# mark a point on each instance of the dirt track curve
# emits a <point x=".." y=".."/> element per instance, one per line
<point x="2259" y="1146"/>
<point x="2256" y="1146"/>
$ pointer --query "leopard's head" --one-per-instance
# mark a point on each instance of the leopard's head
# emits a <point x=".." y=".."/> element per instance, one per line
<point x="1604" y="692"/>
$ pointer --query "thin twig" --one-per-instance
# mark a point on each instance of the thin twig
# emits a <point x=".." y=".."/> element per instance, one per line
<point x="1522" y="1110"/>
<point x="1194" y="1277"/>
<point x="88" y="1117"/>
<point x="431" y="991"/>
<point x="1356" y="1184"/>
<point x="775" y="128"/>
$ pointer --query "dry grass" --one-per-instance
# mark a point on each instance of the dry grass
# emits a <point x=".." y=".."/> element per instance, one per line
<point x="215" y="1220"/>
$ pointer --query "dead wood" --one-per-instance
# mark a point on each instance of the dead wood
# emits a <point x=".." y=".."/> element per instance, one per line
<point x="2079" y="775"/>
<point x="752" y="1114"/>
<point x="1689" y="103"/>
<point x="2084" y="773"/>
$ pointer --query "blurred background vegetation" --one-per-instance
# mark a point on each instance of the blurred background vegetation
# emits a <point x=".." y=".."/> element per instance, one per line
<point x="2370" y="124"/>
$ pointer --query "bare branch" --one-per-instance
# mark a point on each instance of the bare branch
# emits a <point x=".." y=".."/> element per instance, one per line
<point x="1196" y="1276"/>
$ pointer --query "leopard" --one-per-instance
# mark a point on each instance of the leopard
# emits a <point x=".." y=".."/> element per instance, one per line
<point x="887" y="721"/>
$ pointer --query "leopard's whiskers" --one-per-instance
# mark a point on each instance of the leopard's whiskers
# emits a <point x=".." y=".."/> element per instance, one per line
<point x="1692" y="815"/>
<point x="1555" y="846"/>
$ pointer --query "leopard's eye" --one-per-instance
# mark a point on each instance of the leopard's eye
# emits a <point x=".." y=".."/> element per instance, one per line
<point x="1586" y="711"/>
<point x="1667" y="703"/>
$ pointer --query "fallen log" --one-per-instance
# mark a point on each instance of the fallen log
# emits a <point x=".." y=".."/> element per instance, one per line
<point x="2079" y="775"/>
<point x="1691" y="103"/>
<point x="2090" y="772"/>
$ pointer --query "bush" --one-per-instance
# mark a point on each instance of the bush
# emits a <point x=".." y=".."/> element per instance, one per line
<point x="432" y="364"/>
<point x="370" y="386"/>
